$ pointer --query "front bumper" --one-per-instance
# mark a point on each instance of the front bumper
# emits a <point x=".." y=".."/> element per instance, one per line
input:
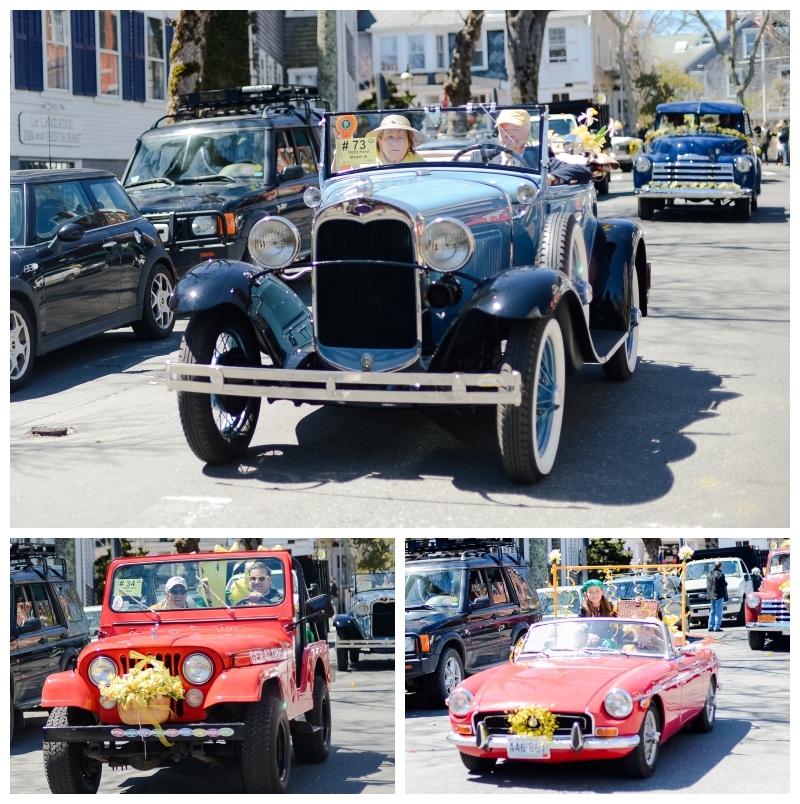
<point x="496" y="741"/>
<point x="693" y="194"/>
<point x="366" y="644"/>
<point x="417" y="666"/>
<point x="702" y="610"/>
<point x="781" y="627"/>
<point x="319" y="386"/>
<point x="180" y="732"/>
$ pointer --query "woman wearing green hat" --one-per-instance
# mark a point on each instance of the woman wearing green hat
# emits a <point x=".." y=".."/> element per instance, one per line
<point x="595" y="604"/>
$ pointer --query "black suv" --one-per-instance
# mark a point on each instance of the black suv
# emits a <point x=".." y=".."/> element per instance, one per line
<point x="48" y="625"/>
<point x="230" y="157"/>
<point x="83" y="261"/>
<point x="466" y="606"/>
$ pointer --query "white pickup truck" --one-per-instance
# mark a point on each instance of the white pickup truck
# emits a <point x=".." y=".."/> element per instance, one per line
<point x="740" y="584"/>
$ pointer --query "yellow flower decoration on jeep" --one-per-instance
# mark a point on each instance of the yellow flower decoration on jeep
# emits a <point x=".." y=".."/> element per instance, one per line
<point x="533" y="721"/>
<point x="692" y="185"/>
<point x="693" y="131"/>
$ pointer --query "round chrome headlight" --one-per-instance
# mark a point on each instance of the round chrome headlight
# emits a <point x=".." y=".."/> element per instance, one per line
<point x="618" y="703"/>
<point x="273" y="242"/>
<point x="101" y="670"/>
<point x="753" y="601"/>
<point x="361" y="608"/>
<point x="312" y="197"/>
<point x="526" y="193"/>
<point x="197" y="668"/>
<point x="204" y="225"/>
<point x="743" y="164"/>
<point x="642" y="164"/>
<point x="459" y="701"/>
<point x="447" y="245"/>
<point x="410" y="644"/>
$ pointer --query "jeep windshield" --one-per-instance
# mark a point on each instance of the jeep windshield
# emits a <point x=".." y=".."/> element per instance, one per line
<point x="696" y="571"/>
<point x="186" y="584"/>
<point x="700" y="123"/>
<point x="369" y="581"/>
<point x="186" y="157"/>
<point x="411" y="137"/>
<point x="433" y="588"/>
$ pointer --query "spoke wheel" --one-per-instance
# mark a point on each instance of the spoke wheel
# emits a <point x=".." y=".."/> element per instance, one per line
<point x="641" y="762"/>
<point x="622" y="364"/>
<point x="22" y="346"/>
<point x="158" y="320"/>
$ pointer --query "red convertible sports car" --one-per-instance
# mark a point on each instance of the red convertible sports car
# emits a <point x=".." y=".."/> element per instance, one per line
<point x="599" y="688"/>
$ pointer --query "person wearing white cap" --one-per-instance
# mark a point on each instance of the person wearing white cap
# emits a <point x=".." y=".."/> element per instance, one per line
<point x="176" y="596"/>
<point x="396" y="138"/>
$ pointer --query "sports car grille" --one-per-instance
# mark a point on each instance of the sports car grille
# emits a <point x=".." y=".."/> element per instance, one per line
<point x="383" y="619"/>
<point x="365" y="306"/>
<point x="693" y="171"/>
<point x="497" y="722"/>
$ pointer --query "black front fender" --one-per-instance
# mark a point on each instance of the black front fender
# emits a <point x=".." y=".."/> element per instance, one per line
<point x="212" y="283"/>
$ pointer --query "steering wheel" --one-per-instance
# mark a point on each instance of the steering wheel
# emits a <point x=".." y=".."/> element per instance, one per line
<point x="483" y="147"/>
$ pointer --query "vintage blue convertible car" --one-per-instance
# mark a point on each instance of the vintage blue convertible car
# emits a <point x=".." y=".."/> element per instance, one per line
<point x="699" y="151"/>
<point x="461" y="277"/>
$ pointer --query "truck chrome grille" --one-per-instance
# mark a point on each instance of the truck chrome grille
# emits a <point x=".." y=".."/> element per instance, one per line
<point x="497" y="722"/>
<point x="692" y="171"/>
<point x="383" y="619"/>
<point x="777" y="608"/>
<point x="362" y="306"/>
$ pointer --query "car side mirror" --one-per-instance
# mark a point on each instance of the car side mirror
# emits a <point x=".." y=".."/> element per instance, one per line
<point x="71" y="232"/>
<point x="480" y="603"/>
<point x="32" y="624"/>
<point x="319" y="608"/>
<point x="291" y="173"/>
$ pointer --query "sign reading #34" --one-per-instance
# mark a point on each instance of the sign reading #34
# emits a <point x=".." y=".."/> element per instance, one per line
<point x="40" y="128"/>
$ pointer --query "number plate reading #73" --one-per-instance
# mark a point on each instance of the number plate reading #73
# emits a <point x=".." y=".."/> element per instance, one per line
<point x="528" y="748"/>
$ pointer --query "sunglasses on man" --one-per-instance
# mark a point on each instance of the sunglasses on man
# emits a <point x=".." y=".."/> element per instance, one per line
<point x="178" y="590"/>
<point x="259" y="577"/>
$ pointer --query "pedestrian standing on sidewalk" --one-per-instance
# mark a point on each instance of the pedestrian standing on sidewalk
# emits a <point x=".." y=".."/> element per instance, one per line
<point x="334" y="596"/>
<point x="767" y="135"/>
<point x="783" y="142"/>
<point x="717" y="589"/>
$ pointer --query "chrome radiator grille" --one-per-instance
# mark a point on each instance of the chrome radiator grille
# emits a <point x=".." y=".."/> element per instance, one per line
<point x="497" y="722"/>
<point x="383" y="619"/>
<point x="364" y="306"/>
<point x="692" y="171"/>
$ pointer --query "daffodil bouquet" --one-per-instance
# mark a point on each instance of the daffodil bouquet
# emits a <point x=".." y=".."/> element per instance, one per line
<point x="142" y="685"/>
<point x="533" y="721"/>
<point x="784" y="587"/>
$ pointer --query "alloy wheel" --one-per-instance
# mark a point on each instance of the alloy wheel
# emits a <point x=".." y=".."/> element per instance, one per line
<point x="160" y="292"/>
<point x="20" y="345"/>
<point x="651" y="736"/>
<point x="452" y="675"/>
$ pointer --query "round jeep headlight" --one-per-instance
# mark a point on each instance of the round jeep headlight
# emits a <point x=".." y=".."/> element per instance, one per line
<point x="743" y="164"/>
<point x="642" y="164"/>
<point x="101" y="670"/>
<point x="410" y="644"/>
<point x="753" y="601"/>
<point x="273" y="242"/>
<point x="361" y="608"/>
<point x="618" y="703"/>
<point x="459" y="701"/>
<point x="197" y="668"/>
<point x="204" y="225"/>
<point x="447" y="244"/>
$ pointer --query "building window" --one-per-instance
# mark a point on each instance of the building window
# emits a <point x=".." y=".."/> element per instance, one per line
<point x="477" y="58"/>
<point x="700" y="75"/>
<point x="303" y="76"/>
<point x="557" y="41"/>
<point x="389" y="54"/>
<point x="108" y="41"/>
<point x="57" y="39"/>
<point x="731" y="92"/>
<point x="416" y="52"/>
<point x="156" y="68"/>
<point x="43" y="164"/>
<point x="442" y="56"/>
<point x="749" y="42"/>
<point x="560" y="96"/>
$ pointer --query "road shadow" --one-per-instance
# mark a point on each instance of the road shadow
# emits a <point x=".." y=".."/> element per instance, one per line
<point x="617" y="442"/>
<point x="706" y="213"/>
<point x="29" y="738"/>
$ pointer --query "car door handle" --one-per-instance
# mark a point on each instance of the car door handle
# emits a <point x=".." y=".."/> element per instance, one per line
<point x="109" y="244"/>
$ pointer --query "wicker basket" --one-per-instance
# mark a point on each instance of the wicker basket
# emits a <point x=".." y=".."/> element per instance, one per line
<point x="637" y="609"/>
<point x="136" y="714"/>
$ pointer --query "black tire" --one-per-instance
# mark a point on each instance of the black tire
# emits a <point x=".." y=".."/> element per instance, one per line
<point x="266" y="752"/>
<point x="219" y="429"/>
<point x="448" y="674"/>
<point x="645" y="209"/>
<point x="743" y="209"/>
<point x="704" y="722"/>
<point x="641" y="762"/>
<point x="622" y="364"/>
<point x="315" y="748"/>
<point x="756" y="640"/>
<point x="603" y="186"/>
<point x="739" y="619"/>
<point x="341" y="659"/>
<point x="354" y="656"/>
<point x="477" y="764"/>
<point x="626" y="167"/>
<point x="529" y="433"/>
<point x="23" y="346"/>
<point x="754" y="201"/>
<point x="563" y="247"/>
<point x="157" y="321"/>
<point x="66" y="766"/>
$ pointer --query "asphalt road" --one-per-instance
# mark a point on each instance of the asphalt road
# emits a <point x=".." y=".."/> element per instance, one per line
<point x="698" y="437"/>
<point x="747" y="750"/>
<point x="361" y="758"/>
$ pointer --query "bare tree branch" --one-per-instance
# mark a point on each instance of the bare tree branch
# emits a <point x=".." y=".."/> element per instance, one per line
<point x="624" y="71"/>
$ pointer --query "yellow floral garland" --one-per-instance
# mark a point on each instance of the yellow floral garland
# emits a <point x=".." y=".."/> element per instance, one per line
<point x="142" y="685"/>
<point x="692" y="185"/>
<point x="693" y="131"/>
<point x="546" y="722"/>
<point x="784" y="587"/>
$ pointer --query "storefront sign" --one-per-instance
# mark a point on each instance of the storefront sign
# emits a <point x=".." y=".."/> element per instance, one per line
<point x="41" y="128"/>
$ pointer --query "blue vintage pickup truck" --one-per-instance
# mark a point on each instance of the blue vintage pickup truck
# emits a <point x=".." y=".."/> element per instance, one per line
<point x="699" y="151"/>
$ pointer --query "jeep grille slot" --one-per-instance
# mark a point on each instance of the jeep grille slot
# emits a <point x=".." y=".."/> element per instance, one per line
<point x="688" y="171"/>
<point x="383" y="619"/>
<point x="365" y="306"/>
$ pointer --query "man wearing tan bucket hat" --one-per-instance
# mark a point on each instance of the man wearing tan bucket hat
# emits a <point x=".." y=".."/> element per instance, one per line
<point x="396" y="138"/>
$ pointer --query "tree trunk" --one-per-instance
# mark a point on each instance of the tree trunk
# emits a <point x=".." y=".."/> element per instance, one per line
<point x="458" y="85"/>
<point x="327" y="73"/>
<point x="186" y="56"/>
<point x="631" y="117"/>
<point x="651" y="547"/>
<point x="525" y="38"/>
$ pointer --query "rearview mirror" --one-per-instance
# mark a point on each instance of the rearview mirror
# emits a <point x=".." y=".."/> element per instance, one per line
<point x="319" y="608"/>
<point x="32" y="624"/>
<point x="291" y="173"/>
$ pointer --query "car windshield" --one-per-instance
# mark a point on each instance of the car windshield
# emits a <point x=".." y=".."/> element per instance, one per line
<point x="629" y="589"/>
<point x="17" y="216"/>
<point x="436" y="588"/>
<point x="379" y="139"/>
<point x="569" y="602"/>
<point x="778" y="563"/>
<point x="707" y="123"/>
<point x="189" y="156"/>
<point x="366" y="582"/>
<point x="595" y="634"/>
<point x="187" y="584"/>
<point x="694" y="572"/>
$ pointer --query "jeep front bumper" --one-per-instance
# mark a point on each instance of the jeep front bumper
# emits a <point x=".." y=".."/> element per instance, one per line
<point x="181" y="732"/>
<point x="365" y="644"/>
<point x="319" y="386"/>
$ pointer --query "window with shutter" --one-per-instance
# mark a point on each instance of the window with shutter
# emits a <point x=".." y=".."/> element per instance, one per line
<point x="84" y="65"/>
<point x="132" y="55"/>
<point x="155" y="58"/>
<point x="28" y="56"/>
<point x="109" y="52"/>
<point x="57" y="40"/>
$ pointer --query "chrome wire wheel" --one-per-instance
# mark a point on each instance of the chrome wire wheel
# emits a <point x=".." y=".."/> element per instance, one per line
<point x="20" y="346"/>
<point x="230" y="412"/>
<point x="452" y="674"/>
<point x="160" y="291"/>
<point x="711" y="703"/>
<point x="650" y="737"/>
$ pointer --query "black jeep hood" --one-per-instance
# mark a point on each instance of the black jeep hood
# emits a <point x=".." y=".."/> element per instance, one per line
<point x="424" y="621"/>
<point x="205" y="195"/>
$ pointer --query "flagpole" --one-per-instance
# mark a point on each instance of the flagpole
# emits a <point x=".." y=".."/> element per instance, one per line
<point x="763" y="79"/>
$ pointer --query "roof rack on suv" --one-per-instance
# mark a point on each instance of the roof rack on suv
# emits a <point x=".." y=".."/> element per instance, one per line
<point x="259" y="99"/>
<point x="33" y="556"/>
<point x="495" y="549"/>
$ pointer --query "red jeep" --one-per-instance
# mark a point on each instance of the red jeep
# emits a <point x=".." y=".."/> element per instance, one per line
<point x="766" y="612"/>
<point x="239" y="631"/>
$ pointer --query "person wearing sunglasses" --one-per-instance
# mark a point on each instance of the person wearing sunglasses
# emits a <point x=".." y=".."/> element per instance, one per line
<point x="176" y="595"/>
<point x="259" y="581"/>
